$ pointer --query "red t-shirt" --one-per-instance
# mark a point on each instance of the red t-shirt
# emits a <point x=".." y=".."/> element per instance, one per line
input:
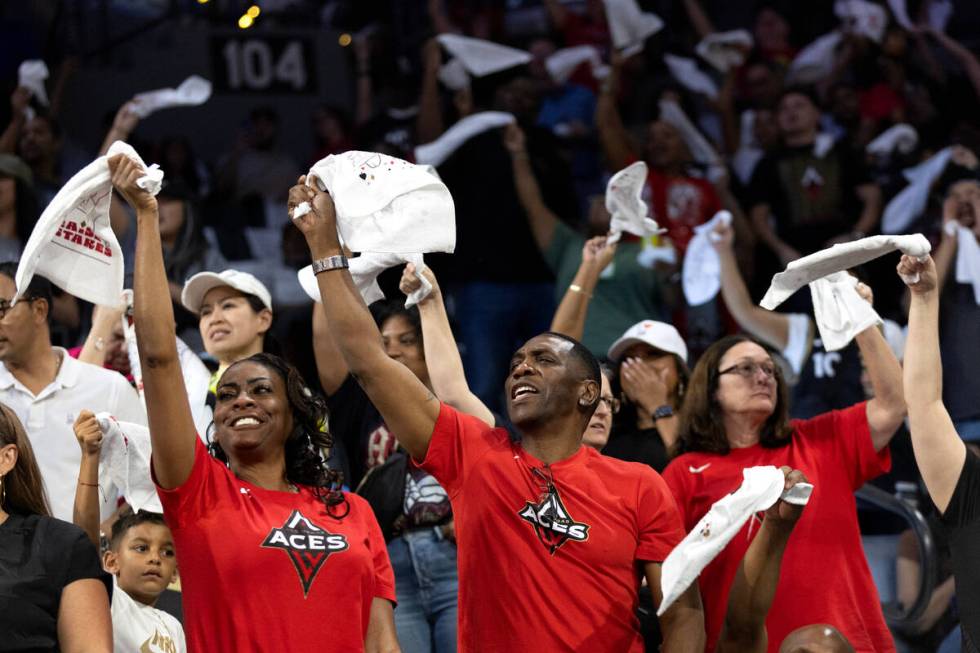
<point x="824" y="576"/>
<point x="679" y="204"/>
<point x="548" y="572"/>
<point x="272" y="571"/>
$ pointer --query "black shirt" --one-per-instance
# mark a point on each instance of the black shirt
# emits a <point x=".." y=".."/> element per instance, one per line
<point x="830" y="380"/>
<point x="39" y="557"/>
<point x="638" y="446"/>
<point x="962" y="521"/>
<point x="359" y="426"/>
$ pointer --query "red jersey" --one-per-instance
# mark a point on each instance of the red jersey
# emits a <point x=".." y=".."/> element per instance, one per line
<point x="679" y="204"/>
<point x="824" y="576"/>
<point x="548" y="555"/>
<point x="272" y="571"/>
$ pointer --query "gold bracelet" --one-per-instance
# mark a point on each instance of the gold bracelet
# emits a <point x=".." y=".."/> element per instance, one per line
<point x="577" y="288"/>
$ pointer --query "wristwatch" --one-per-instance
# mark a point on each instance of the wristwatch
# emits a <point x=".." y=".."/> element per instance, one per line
<point x="330" y="263"/>
<point x="663" y="411"/>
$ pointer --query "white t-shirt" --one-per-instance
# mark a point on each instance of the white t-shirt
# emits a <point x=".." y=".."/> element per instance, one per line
<point x="48" y="418"/>
<point x="142" y="628"/>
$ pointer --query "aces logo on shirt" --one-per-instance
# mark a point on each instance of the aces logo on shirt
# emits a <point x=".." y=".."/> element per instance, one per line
<point x="552" y="523"/>
<point x="307" y="545"/>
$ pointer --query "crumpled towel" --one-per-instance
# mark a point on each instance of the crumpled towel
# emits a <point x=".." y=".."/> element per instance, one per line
<point x="453" y="75"/>
<point x="480" y="57"/>
<point x="688" y="75"/>
<point x="125" y="462"/>
<point x="629" y="26"/>
<point x="701" y="275"/>
<point x="436" y="152"/>
<point x="385" y="204"/>
<point x="862" y="17"/>
<point x="798" y="342"/>
<point x="761" y="488"/>
<point x="968" y="259"/>
<point x="725" y="50"/>
<point x="839" y="310"/>
<point x="901" y="137"/>
<point x="815" y="61"/>
<point x="192" y="91"/>
<point x="836" y="259"/>
<point x="31" y="75"/>
<point x="364" y="271"/>
<point x="563" y="63"/>
<point x="72" y="244"/>
<point x="624" y="201"/>
<point x="911" y="200"/>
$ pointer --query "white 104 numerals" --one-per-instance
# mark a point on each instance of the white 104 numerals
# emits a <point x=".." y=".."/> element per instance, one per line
<point x="252" y="65"/>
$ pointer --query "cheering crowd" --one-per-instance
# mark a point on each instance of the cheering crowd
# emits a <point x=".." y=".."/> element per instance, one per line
<point x="593" y="347"/>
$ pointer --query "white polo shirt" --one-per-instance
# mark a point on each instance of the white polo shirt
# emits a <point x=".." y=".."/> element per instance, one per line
<point x="48" y="418"/>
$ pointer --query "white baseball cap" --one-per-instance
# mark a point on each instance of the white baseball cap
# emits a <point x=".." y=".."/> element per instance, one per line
<point x="658" y="335"/>
<point x="201" y="283"/>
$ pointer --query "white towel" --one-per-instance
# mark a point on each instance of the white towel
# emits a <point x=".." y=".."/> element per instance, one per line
<point x="480" y="57"/>
<point x="725" y="50"/>
<point x="31" y="75"/>
<point x="563" y="63"/>
<point x="364" y="271"/>
<point x="701" y="275"/>
<point x="939" y="13"/>
<point x="453" y="75"/>
<point x="624" y="201"/>
<point x="862" y="17"/>
<point x="840" y="257"/>
<point x="901" y="13"/>
<point x="822" y="144"/>
<point x="687" y="73"/>
<point x="901" y="137"/>
<point x="761" y="488"/>
<point x="72" y="244"/>
<point x="839" y="310"/>
<point x="911" y="200"/>
<point x="968" y="259"/>
<point x="387" y="205"/>
<point x="700" y="148"/>
<point x="630" y="27"/>
<point x="815" y="61"/>
<point x="797" y="341"/>
<point x="436" y="152"/>
<point x="192" y="91"/>
<point x="125" y="462"/>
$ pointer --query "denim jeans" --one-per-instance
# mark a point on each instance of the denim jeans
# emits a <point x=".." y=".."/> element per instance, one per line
<point x="495" y="319"/>
<point x="426" y="584"/>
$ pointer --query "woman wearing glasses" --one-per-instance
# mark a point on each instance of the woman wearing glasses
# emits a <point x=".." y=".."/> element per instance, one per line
<point x="735" y="415"/>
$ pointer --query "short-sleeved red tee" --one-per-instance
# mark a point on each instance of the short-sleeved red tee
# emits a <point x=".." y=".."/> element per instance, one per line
<point x="272" y="571"/>
<point x="542" y="571"/>
<point x="824" y="576"/>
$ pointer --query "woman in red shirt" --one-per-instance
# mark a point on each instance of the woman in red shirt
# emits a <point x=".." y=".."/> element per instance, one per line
<point x="272" y="555"/>
<point x="735" y="415"/>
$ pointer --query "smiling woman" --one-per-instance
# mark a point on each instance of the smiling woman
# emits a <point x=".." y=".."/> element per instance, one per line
<point x="267" y="544"/>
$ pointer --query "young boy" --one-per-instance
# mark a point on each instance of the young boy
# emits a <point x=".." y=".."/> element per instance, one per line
<point x="140" y="558"/>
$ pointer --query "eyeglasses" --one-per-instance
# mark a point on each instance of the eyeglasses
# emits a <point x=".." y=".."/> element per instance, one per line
<point x="6" y="306"/>
<point x="748" y="369"/>
<point x="613" y="403"/>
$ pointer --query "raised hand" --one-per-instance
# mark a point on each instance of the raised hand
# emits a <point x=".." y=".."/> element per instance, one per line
<point x="125" y="173"/>
<point x="782" y="512"/>
<point x="597" y="252"/>
<point x="88" y="433"/>
<point x="925" y="271"/>
<point x="19" y="100"/>
<point x="722" y="237"/>
<point x="644" y="384"/>
<point x="319" y="225"/>
<point x="864" y="290"/>
<point x="514" y="139"/>
<point x="409" y="282"/>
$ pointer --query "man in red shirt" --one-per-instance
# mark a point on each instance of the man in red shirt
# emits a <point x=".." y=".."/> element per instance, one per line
<point x="553" y="537"/>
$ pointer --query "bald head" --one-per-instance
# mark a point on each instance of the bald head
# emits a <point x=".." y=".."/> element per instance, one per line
<point x="816" y="638"/>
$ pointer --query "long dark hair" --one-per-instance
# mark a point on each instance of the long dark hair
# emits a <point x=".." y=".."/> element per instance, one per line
<point x="22" y="485"/>
<point x="701" y="425"/>
<point x="190" y="246"/>
<point x="304" y="463"/>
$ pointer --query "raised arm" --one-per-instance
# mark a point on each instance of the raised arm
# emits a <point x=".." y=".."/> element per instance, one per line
<point x="969" y="62"/>
<point x="682" y="624"/>
<point x="886" y="410"/>
<point x="85" y="514"/>
<point x="870" y="197"/>
<point x="19" y="100"/>
<point x="428" y="124"/>
<point x="754" y="587"/>
<point x="406" y="405"/>
<point x="172" y="431"/>
<point x="699" y="19"/>
<point x="104" y="320"/>
<point x="542" y="220"/>
<point x="570" y="316"/>
<point x="939" y="451"/>
<point x="441" y="354"/>
<point x="612" y="134"/>
<point x="330" y="364"/>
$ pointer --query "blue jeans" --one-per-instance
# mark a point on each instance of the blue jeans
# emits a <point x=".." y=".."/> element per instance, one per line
<point x="494" y="320"/>
<point x="426" y="584"/>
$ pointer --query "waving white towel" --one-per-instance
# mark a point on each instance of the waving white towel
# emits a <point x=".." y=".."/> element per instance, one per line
<point x="839" y="310"/>
<point x="436" y="152"/>
<point x="836" y="259"/>
<point x="563" y="63"/>
<point x="862" y="17"/>
<point x="911" y="201"/>
<point x="385" y="204"/>
<point x="687" y="73"/>
<point x="901" y="13"/>
<point x="453" y="75"/>
<point x="798" y="341"/>
<point x="901" y="137"/>
<point x="624" y="201"/>
<point x="725" y="50"/>
<point x="480" y="57"/>
<point x="700" y="148"/>
<point x="630" y="27"/>
<point x="761" y="488"/>
<point x="125" y="462"/>
<point x="72" y="244"/>
<point x="815" y="61"/>
<point x="31" y="75"/>
<point x="701" y="276"/>
<point x="364" y="271"/>
<point x="968" y="259"/>
<point x="192" y="91"/>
